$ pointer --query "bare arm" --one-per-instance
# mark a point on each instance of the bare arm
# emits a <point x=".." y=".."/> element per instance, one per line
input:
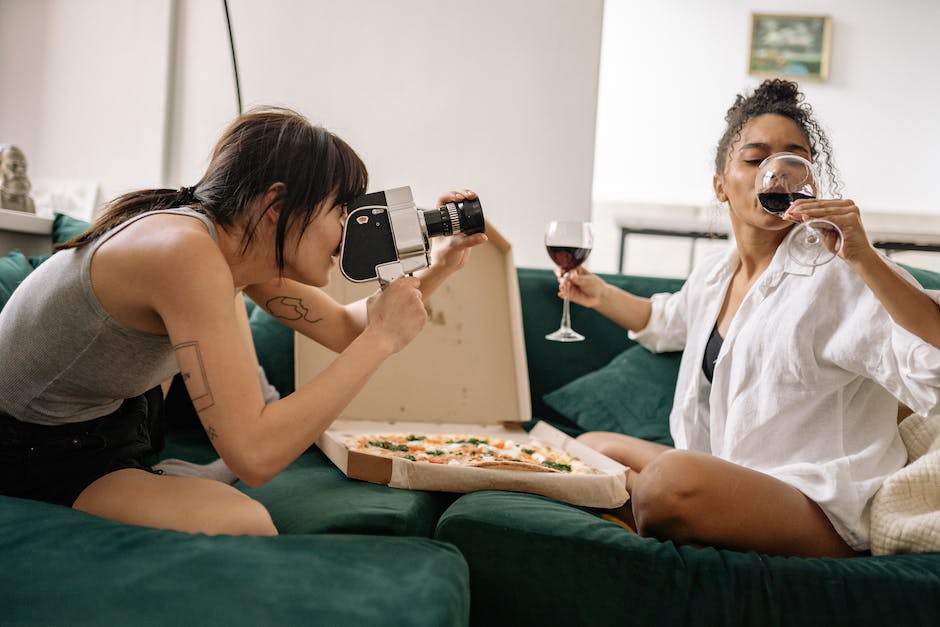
<point x="629" y="311"/>
<point x="258" y="441"/>
<point x="311" y="312"/>
<point x="908" y="306"/>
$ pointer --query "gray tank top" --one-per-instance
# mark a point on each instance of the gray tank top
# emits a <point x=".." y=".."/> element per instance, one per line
<point x="62" y="357"/>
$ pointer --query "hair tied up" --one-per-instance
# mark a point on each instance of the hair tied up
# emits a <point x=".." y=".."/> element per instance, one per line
<point x="186" y="195"/>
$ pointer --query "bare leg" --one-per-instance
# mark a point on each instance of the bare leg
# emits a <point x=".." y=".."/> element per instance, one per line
<point x="696" y="498"/>
<point x="626" y="449"/>
<point x="189" y="504"/>
<point x="629" y="451"/>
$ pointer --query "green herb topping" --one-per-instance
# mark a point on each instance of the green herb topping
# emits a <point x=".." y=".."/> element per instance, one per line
<point x="389" y="446"/>
<point x="557" y="466"/>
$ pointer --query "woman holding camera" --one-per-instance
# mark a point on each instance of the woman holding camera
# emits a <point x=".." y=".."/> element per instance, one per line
<point x="154" y="288"/>
<point x="784" y="418"/>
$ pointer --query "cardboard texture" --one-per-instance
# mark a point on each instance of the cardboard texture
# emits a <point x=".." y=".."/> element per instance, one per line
<point x="607" y="489"/>
<point x="464" y="374"/>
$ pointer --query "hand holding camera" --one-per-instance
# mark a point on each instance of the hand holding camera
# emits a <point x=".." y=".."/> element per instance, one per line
<point x="397" y="313"/>
<point x="387" y="237"/>
<point x="451" y="253"/>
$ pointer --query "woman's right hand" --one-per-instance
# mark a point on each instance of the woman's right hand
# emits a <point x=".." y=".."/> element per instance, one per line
<point x="584" y="288"/>
<point x="397" y="313"/>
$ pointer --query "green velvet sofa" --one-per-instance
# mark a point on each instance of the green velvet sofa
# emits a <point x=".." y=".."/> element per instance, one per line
<point x="349" y="553"/>
<point x="537" y="561"/>
<point x="355" y="553"/>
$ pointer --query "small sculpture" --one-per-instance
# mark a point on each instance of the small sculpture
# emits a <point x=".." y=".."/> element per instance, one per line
<point x="14" y="184"/>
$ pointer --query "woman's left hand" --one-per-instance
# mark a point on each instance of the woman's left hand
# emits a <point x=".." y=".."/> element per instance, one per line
<point x="845" y="215"/>
<point x="449" y="254"/>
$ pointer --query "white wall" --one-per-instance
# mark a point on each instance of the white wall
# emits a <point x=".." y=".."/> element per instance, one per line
<point x="670" y="70"/>
<point x="497" y="95"/>
<point x="82" y="88"/>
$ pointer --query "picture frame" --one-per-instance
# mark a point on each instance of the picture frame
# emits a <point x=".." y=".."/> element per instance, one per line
<point x="790" y="46"/>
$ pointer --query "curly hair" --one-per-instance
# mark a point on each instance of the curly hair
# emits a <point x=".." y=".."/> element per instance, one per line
<point x="780" y="97"/>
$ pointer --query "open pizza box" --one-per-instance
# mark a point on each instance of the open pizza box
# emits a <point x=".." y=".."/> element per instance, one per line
<point x="464" y="374"/>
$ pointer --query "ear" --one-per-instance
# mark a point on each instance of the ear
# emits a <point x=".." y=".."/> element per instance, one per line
<point x="719" y="186"/>
<point x="272" y="200"/>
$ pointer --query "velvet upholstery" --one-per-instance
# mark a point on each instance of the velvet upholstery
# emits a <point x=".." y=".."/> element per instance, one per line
<point x="537" y="561"/>
<point x="63" y="567"/>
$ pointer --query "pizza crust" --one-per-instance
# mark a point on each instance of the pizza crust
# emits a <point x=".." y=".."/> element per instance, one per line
<point x="501" y="465"/>
<point x="471" y="452"/>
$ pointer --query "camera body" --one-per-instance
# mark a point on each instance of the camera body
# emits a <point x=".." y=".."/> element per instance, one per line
<point x="386" y="236"/>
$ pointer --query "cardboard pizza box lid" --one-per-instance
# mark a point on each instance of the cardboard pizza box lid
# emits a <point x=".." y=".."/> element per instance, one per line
<point x="465" y="373"/>
<point x="467" y="366"/>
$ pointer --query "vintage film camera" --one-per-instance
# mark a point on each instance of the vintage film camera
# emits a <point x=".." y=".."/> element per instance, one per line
<point x="386" y="235"/>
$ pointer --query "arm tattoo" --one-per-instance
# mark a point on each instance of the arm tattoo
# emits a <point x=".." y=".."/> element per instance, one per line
<point x="194" y="374"/>
<point x="290" y="308"/>
<point x="212" y="433"/>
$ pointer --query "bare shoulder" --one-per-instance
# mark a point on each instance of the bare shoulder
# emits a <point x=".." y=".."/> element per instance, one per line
<point x="162" y="245"/>
<point x="159" y="263"/>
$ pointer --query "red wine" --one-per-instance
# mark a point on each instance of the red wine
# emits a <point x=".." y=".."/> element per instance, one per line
<point x="779" y="202"/>
<point x="568" y="257"/>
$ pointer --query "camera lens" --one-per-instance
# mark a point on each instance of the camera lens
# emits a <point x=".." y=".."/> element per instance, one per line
<point x="462" y="217"/>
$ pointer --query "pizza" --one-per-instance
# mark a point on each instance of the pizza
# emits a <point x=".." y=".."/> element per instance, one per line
<point x="471" y="451"/>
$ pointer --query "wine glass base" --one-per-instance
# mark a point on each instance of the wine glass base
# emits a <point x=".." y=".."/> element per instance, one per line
<point x="565" y="335"/>
<point x="814" y="243"/>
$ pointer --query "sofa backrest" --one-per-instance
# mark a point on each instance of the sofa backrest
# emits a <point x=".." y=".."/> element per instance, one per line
<point x="552" y="364"/>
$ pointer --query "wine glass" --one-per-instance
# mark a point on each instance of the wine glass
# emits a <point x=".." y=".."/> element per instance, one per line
<point x="568" y="244"/>
<point x="783" y="178"/>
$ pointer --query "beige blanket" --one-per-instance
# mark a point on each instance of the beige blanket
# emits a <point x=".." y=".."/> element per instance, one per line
<point x="905" y="513"/>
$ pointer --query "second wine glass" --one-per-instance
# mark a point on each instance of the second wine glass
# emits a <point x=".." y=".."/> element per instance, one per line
<point x="568" y="244"/>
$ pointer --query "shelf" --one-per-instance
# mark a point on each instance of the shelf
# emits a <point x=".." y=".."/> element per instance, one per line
<point x="20" y="222"/>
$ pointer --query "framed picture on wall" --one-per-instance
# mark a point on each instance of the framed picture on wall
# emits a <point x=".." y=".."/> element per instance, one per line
<point x="792" y="46"/>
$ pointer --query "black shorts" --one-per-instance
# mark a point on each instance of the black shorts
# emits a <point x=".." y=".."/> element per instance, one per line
<point x="56" y="463"/>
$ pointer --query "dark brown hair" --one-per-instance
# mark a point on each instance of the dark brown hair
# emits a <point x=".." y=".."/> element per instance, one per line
<point x="260" y="148"/>
<point x="780" y="97"/>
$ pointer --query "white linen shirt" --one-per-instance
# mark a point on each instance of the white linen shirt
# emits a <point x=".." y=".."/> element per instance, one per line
<point x="805" y="384"/>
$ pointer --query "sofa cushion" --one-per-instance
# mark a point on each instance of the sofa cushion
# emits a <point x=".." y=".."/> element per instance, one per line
<point x="927" y="278"/>
<point x="274" y="344"/>
<point x="59" y="566"/>
<point x="66" y="227"/>
<point x="632" y="394"/>
<point x="313" y="496"/>
<point x="14" y="267"/>
<point x="553" y="364"/>
<point x="536" y="561"/>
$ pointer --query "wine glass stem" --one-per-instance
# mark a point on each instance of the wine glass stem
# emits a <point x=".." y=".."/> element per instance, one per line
<point x="565" y="315"/>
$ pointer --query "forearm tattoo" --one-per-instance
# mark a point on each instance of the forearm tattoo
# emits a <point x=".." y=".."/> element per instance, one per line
<point x="193" y="372"/>
<point x="290" y="308"/>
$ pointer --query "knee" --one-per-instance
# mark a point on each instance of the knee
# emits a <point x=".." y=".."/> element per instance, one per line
<point x="665" y="497"/>
<point x="247" y="517"/>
